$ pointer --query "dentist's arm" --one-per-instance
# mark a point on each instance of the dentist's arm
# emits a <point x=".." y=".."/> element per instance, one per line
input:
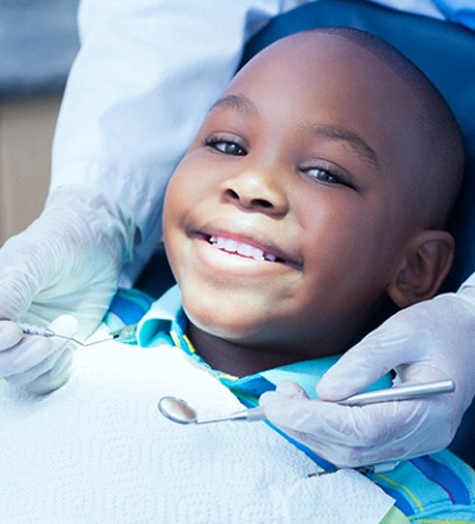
<point x="145" y="75"/>
<point x="425" y="342"/>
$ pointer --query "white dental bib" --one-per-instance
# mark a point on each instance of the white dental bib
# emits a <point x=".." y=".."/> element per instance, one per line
<point x="99" y="451"/>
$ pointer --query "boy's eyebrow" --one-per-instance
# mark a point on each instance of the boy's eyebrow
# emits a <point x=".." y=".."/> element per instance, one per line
<point x="239" y="102"/>
<point x="245" y="105"/>
<point x="353" y="139"/>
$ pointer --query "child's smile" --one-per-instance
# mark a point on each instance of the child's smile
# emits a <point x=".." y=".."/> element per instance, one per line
<point x="236" y="248"/>
<point x="240" y="248"/>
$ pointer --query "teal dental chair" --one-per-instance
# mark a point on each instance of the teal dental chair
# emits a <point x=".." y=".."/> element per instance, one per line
<point x="446" y="53"/>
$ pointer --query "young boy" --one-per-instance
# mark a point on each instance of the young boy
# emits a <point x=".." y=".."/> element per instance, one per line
<point x="315" y="192"/>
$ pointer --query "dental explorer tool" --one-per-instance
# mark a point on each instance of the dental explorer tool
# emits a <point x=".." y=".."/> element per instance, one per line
<point x="179" y="411"/>
<point x="125" y="334"/>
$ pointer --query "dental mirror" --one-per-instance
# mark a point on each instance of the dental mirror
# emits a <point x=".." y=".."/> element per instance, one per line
<point x="179" y="411"/>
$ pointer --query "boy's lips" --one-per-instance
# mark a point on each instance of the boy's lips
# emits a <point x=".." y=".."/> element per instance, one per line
<point x="247" y="243"/>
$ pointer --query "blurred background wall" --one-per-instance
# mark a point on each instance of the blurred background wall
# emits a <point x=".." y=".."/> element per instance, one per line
<point x="38" y="43"/>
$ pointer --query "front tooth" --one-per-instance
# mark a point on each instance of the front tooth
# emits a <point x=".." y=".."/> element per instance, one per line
<point x="257" y="253"/>
<point x="230" y="245"/>
<point x="245" y="250"/>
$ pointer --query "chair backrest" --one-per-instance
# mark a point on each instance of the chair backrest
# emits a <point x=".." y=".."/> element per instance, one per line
<point x="444" y="51"/>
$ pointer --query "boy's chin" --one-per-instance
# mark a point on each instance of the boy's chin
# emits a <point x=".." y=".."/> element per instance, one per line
<point x="230" y="313"/>
<point x="222" y="326"/>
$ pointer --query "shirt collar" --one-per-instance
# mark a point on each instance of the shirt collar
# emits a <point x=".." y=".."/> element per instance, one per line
<point x="166" y="322"/>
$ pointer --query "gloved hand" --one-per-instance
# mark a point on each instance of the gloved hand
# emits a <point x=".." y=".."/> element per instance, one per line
<point x="67" y="261"/>
<point x="39" y="364"/>
<point x="429" y="341"/>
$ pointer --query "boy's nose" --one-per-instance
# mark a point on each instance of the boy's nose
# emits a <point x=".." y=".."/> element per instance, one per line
<point x="256" y="190"/>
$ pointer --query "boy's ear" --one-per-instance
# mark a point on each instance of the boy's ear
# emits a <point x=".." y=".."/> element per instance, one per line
<point x="427" y="262"/>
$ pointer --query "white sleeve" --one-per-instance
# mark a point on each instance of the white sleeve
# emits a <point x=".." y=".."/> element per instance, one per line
<point x="146" y="73"/>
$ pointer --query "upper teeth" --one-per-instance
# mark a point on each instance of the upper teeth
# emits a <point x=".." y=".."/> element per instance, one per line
<point x="233" y="246"/>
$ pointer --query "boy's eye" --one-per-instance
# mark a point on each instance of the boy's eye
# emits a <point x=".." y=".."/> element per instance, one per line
<point x="228" y="147"/>
<point x="327" y="175"/>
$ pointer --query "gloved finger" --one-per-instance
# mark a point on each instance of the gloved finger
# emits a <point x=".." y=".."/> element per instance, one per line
<point x="31" y="374"/>
<point x="54" y="378"/>
<point x="10" y="334"/>
<point x="420" y="372"/>
<point x="64" y="325"/>
<point x="353" y="436"/>
<point x="32" y="351"/>
<point x="284" y="391"/>
<point x="29" y="352"/>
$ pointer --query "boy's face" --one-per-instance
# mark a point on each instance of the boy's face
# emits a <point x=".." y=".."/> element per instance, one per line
<point x="287" y="217"/>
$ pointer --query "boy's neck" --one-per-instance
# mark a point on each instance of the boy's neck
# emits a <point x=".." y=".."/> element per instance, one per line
<point x="237" y="360"/>
<point x="240" y="360"/>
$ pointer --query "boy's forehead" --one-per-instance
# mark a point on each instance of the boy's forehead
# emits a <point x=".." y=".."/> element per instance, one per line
<point x="309" y="51"/>
<point x="330" y="74"/>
